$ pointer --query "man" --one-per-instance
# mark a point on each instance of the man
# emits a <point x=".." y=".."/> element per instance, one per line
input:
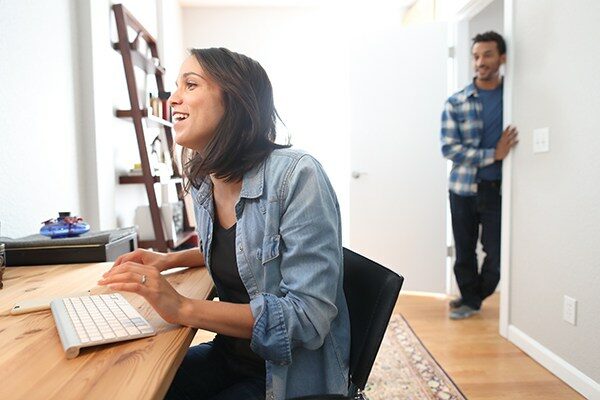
<point x="473" y="139"/>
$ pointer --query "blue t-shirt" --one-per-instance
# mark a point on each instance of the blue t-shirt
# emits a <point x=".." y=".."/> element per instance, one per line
<point x="491" y="115"/>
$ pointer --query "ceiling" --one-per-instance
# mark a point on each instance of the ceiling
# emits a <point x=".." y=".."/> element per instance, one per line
<point x="295" y="3"/>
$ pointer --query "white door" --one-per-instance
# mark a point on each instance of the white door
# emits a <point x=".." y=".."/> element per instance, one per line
<point x="398" y="186"/>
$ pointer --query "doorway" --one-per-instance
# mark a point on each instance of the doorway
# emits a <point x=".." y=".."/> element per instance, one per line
<point x="478" y="16"/>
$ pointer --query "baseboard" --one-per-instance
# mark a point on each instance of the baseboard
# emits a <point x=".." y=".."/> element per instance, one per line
<point x="559" y="367"/>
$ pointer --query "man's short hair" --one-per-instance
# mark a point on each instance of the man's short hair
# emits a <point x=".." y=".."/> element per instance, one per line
<point x="491" y="36"/>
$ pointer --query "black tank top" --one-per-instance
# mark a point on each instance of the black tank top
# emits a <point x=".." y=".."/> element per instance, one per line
<point x="231" y="289"/>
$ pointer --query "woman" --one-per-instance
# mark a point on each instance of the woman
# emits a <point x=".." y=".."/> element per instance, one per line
<point x="269" y="227"/>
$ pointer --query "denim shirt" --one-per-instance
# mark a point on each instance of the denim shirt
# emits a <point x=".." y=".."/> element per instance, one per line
<point x="289" y="256"/>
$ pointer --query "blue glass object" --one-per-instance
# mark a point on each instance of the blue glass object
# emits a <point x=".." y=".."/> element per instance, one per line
<point x="64" y="226"/>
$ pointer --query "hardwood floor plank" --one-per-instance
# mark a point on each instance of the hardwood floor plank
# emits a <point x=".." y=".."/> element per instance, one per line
<point x="483" y="364"/>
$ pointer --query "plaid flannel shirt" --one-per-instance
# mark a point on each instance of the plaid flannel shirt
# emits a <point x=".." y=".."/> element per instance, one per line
<point x="462" y="128"/>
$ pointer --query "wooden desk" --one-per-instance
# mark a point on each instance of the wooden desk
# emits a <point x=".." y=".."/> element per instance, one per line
<point x="32" y="361"/>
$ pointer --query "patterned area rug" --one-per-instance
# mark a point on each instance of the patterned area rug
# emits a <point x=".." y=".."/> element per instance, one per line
<point x="404" y="369"/>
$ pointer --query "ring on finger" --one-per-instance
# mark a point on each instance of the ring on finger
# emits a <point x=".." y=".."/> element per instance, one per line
<point x="144" y="279"/>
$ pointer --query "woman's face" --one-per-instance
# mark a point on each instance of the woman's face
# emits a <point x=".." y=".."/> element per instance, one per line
<point x="197" y="106"/>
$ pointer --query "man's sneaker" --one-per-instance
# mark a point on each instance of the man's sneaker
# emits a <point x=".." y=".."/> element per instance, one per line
<point x="463" y="312"/>
<point x="456" y="302"/>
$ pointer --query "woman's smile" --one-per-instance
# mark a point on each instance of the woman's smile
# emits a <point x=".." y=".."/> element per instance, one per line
<point x="178" y="118"/>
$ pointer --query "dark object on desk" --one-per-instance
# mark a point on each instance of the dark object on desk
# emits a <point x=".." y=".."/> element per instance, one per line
<point x="371" y="292"/>
<point x="89" y="247"/>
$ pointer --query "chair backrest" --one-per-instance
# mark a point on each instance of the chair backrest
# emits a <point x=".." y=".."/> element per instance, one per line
<point x="371" y="293"/>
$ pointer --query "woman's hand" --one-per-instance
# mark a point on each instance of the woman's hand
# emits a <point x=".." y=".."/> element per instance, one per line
<point x="142" y="256"/>
<point x="146" y="280"/>
<point x="162" y="261"/>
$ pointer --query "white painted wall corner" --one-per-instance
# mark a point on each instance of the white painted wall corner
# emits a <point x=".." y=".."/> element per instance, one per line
<point x="589" y="388"/>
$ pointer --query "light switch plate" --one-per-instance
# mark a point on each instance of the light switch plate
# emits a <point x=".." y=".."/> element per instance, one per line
<point x="570" y="310"/>
<point x="541" y="140"/>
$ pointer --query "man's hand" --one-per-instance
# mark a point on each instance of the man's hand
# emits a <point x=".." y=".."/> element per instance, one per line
<point x="506" y="142"/>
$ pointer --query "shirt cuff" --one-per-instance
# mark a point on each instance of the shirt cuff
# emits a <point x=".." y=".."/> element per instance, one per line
<point x="489" y="157"/>
<point x="269" y="334"/>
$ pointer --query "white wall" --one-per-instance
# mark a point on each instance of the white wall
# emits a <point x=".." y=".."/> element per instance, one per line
<point x="555" y="202"/>
<point x="491" y="18"/>
<point x="170" y="38"/>
<point x="62" y="148"/>
<point x="41" y="167"/>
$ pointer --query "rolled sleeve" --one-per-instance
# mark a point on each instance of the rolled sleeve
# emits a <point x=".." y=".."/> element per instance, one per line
<point x="310" y="265"/>
<point x="269" y="334"/>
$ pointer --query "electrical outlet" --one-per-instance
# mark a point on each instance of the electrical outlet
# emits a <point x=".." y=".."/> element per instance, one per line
<point x="570" y="310"/>
<point x="541" y="140"/>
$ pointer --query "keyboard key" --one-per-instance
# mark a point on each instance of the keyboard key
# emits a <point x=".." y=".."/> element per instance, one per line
<point x="132" y="330"/>
<point x="138" y="321"/>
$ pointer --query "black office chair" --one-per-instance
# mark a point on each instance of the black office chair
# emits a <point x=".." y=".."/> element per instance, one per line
<point x="371" y="293"/>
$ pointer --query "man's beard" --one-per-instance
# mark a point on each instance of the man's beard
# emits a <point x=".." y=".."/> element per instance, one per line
<point x="487" y="75"/>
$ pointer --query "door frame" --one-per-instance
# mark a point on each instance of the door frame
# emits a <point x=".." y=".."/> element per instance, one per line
<point x="505" y="244"/>
<point x="467" y="10"/>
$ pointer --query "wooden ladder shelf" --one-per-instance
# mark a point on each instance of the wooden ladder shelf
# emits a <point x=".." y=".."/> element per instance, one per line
<point x="132" y="57"/>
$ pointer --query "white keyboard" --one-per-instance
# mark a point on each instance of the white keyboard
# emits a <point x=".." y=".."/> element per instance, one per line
<point x="92" y="320"/>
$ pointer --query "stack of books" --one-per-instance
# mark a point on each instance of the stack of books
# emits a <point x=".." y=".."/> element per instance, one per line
<point x="90" y="247"/>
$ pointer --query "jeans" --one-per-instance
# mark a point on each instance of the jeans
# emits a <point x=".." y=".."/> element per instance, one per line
<point x="468" y="212"/>
<point x="208" y="373"/>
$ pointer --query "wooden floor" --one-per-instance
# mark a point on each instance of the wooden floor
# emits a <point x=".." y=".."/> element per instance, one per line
<point x="482" y="363"/>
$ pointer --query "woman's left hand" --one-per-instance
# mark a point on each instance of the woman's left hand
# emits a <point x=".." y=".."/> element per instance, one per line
<point x="146" y="281"/>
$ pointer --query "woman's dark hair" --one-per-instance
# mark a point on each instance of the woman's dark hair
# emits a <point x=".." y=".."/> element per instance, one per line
<point x="245" y="136"/>
<point x="492" y="36"/>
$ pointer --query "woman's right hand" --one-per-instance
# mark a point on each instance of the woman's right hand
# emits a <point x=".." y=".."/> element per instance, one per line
<point x="146" y="257"/>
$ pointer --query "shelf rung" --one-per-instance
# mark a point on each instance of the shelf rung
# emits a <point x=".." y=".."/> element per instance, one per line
<point x="141" y="61"/>
<point x="127" y="113"/>
<point x="159" y="121"/>
<point x="151" y="118"/>
<point x="129" y="179"/>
